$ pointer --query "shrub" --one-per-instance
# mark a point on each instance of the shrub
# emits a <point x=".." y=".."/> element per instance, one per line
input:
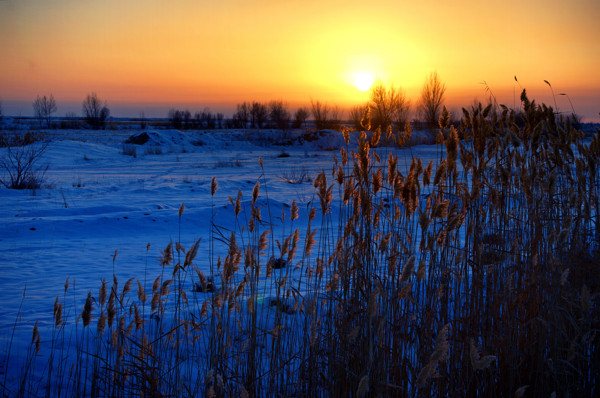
<point x="432" y="100"/>
<point x="43" y="108"/>
<point x="20" y="164"/>
<point x="95" y="112"/>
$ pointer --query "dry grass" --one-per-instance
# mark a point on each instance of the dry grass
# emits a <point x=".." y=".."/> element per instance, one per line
<point x="475" y="276"/>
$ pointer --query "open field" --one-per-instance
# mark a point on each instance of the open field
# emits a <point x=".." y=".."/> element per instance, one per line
<point x="314" y="264"/>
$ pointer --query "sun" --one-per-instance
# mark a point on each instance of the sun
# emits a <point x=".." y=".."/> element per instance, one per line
<point x="363" y="81"/>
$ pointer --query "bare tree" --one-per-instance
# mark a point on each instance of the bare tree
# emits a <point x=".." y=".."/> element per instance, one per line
<point x="300" y="117"/>
<point x="0" y="114"/>
<point x="320" y="113"/>
<point x="175" y="118"/>
<point x="401" y="116"/>
<point x="43" y="108"/>
<point x="432" y="99"/>
<point x="207" y="119"/>
<point x="259" y="114"/>
<point x="335" y="119"/>
<point x="279" y="115"/>
<point x="388" y="106"/>
<point x="187" y="119"/>
<point x="94" y="111"/>
<point x="356" y="115"/>
<point x="242" y="115"/>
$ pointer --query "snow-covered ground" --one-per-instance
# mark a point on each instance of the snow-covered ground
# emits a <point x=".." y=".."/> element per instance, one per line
<point x="98" y="198"/>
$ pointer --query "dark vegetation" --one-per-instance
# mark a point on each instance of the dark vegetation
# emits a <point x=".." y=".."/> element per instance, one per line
<point x="95" y="112"/>
<point x="43" y="108"/>
<point x="20" y="166"/>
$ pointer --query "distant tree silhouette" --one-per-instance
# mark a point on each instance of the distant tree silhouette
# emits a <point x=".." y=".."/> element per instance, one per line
<point x="279" y="115"/>
<point x="220" y="120"/>
<point x="388" y="105"/>
<point x="95" y="112"/>
<point x="1" y="114"/>
<point x="432" y="100"/>
<point x="259" y="115"/>
<point x="356" y="115"/>
<point x="187" y="119"/>
<point x="175" y="118"/>
<point x="325" y="116"/>
<point x="207" y="119"/>
<point x="320" y="114"/>
<point x="43" y="108"/>
<point x="300" y="118"/>
<point x="335" y="119"/>
<point x="242" y="115"/>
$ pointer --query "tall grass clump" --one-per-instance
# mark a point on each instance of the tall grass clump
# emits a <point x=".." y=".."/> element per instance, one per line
<point x="475" y="274"/>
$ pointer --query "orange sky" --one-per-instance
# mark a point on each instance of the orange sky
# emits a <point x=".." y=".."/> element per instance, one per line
<point x="155" y="54"/>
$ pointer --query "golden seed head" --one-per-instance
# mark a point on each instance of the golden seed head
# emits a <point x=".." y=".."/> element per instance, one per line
<point x="167" y="255"/>
<point x="191" y="254"/>
<point x="444" y="118"/>
<point x="375" y="138"/>
<point x="35" y="338"/>
<point x="344" y="156"/>
<point x="255" y="192"/>
<point x="141" y="293"/>
<point x="213" y="186"/>
<point x="408" y="269"/>
<point x="263" y="241"/>
<point x="102" y="293"/>
<point x="101" y="325"/>
<point x="346" y="135"/>
<point x="86" y="314"/>
<point x="366" y="119"/>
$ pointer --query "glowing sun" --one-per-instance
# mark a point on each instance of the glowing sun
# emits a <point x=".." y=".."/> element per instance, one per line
<point x="363" y="81"/>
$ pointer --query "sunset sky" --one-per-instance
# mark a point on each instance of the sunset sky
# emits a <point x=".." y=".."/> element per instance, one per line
<point x="151" y="55"/>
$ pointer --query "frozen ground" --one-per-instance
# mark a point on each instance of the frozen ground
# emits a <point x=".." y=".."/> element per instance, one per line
<point x="98" y="199"/>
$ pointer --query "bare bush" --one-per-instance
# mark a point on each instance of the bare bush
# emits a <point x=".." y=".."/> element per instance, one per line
<point x="180" y="118"/>
<point x="296" y="176"/>
<point x="388" y="105"/>
<point x="258" y="115"/>
<point x="94" y="111"/>
<point x="206" y="119"/>
<point x="356" y="115"/>
<point x="326" y="116"/>
<point x="279" y="115"/>
<point x="242" y="115"/>
<point x="43" y="108"/>
<point x="432" y="100"/>
<point x="20" y="166"/>
<point x="300" y="118"/>
<point x="320" y="113"/>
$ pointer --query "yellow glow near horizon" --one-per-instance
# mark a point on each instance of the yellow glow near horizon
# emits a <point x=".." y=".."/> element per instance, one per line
<point x="363" y="81"/>
<point x="231" y="51"/>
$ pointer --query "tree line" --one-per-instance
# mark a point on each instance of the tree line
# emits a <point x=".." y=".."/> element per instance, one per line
<point x="388" y="108"/>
